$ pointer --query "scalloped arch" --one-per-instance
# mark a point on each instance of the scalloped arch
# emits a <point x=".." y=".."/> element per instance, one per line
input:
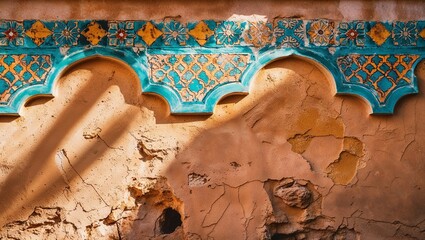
<point x="193" y="65"/>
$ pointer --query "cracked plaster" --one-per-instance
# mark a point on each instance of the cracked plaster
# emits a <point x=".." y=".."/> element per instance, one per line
<point x="102" y="161"/>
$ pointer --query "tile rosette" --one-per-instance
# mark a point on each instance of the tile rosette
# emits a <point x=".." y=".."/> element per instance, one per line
<point x="382" y="54"/>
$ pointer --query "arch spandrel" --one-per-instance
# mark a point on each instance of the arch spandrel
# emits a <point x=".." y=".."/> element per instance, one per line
<point x="193" y="65"/>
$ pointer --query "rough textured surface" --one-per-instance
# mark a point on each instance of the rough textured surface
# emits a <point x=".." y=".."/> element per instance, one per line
<point x="288" y="161"/>
<point x="198" y="10"/>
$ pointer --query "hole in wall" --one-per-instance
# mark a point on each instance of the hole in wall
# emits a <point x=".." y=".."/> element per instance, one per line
<point x="278" y="236"/>
<point x="169" y="220"/>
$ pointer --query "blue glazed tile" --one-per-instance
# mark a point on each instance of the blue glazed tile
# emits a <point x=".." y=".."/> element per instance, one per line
<point x="289" y="33"/>
<point x="405" y="33"/>
<point x="351" y="34"/>
<point x="378" y="34"/>
<point x="381" y="74"/>
<point x="23" y="70"/>
<point x="421" y="33"/>
<point x="174" y="33"/>
<point x="229" y="33"/>
<point x="194" y="64"/>
<point x="201" y="33"/>
<point x="11" y="33"/>
<point x="321" y="32"/>
<point x="38" y="33"/>
<point x="192" y="75"/>
<point x="258" y="34"/>
<point x="94" y="33"/>
<point x="66" y="33"/>
<point x="121" y="33"/>
<point x="138" y="41"/>
<point x="151" y="34"/>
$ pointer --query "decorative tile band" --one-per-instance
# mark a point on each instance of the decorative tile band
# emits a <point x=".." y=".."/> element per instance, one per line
<point x="383" y="73"/>
<point x="193" y="64"/>
<point x="20" y="71"/>
<point x="195" y="75"/>
<point x="282" y="32"/>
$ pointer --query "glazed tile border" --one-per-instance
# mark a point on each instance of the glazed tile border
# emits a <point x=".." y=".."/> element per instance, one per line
<point x="192" y="65"/>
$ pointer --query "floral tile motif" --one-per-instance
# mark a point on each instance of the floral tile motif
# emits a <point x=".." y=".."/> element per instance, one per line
<point x="121" y="34"/>
<point x="174" y="33"/>
<point x="405" y="33"/>
<point x="195" y="58"/>
<point x="381" y="73"/>
<point x="149" y="33"/>
<point x="11" y="33"/>
<point x="289" y="33"/>
<point x="94" y="33"/>
<point x="351" y="34"/>
<point x="259" y="34"/>
<point x="229" y="33"/>
<point x="21" y="70"/>
<point x="379" y="33"/>
<point x="66" y="33"/>
<point x="321" y="32"/>
<point x="38" y="33"/>
<point x="201" y="32"/>
<point x="193" y="76"/>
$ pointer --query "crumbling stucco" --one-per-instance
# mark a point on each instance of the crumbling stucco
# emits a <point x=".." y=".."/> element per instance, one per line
<point x="288" y="161"/>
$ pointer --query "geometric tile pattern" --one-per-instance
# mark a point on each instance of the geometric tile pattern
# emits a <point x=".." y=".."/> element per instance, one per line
<point x="18" y="71"/>
<point x="382" y="73"/>
<point x="11" y="33"/>
<point x="405" y="33"/>
<point x="259" y="34"/>
<point x="351" y="34"/>
<point x="321" y="32"/>
<point x="282" y="33"/>
<point x="195" y="75"/>
<point x="289" y="32"/>
<point x="196" y="63"/>
<point x="38" y="33"/>
<point x="379" y="33"/>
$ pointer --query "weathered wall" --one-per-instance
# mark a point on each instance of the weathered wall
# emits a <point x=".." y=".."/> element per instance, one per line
<point x="288" y="161"/>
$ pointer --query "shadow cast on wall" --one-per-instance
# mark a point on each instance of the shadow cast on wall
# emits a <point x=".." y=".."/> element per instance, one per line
<point x="232" y="165"/>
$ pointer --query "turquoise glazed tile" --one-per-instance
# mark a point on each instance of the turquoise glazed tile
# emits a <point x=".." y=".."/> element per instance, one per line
<point x="229" y="33"/>
<point x="321" y="32"/>
<point x="38" y="33"/>
<point x="21" y="70"/>
<point x="202" y="33"/>
<point x="66" y="33"/>
<point x="421" y="33"/>
<point x="152" y="34"/>
<point x="384" y="75"/>
<point x="378" y="34"/>
<point x="405" y="33"/>
<point x="193" y="65"/>
<point x="258" y="34"/>
<point x="289" y="33"/>
<point x="94" y="33"/>
<point x="11" y="33"/>
<point x="174" y="33"/>
<point x="121" y="33"/>
<point x="351" y="34"/>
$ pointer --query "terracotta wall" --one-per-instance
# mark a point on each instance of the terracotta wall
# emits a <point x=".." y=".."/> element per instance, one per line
<point x="289" y="161"/>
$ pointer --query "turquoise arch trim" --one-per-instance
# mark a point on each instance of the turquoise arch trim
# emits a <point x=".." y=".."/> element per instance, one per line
<point x="74" y="56"/>
<point x="194" y="65"/>
<point x="321" y="59"/>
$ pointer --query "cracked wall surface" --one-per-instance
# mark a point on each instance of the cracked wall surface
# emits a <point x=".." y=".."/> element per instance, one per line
<point x="289" y="161"/>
